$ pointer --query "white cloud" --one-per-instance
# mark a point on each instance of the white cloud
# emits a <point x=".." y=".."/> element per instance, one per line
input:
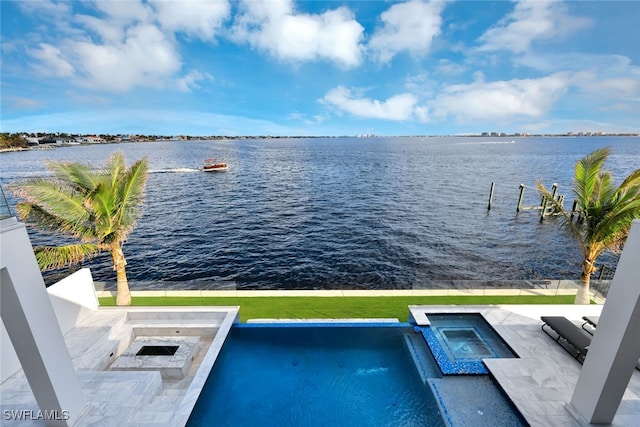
<point x="500" y="100"/>
<point x="479" y="101"/>
<point x="122" y="45"/>
<point x="51" y="61"/>
<point x="45" y="8"/>
<point x="15" y="103"/>
<point x="313" y="120"/>
<point x="190" y="81"/>
<point x="398" y="107"/>
<point x="116" y="46"/>
<point x="609" y="87"/>
<point x="574" y="61"/>
<point x="409" y="26"/>
<point x="449" y="68"/>
<point x="125" y="12"/>
<point x="275" y="27"/>
<point x="107" y="31"/>
<point x="605" y="77"/>
<point x="422" y="85"/>
<point x="193" y="17"/>
<point x="530" y="21"/>
<point x="144" y="58"/>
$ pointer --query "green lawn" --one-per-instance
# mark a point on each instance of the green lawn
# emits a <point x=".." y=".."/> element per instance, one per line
<point x="335" y="307"/>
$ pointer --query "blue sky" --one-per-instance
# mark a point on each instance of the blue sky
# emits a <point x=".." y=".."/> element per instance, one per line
<point x="285" y="67"/>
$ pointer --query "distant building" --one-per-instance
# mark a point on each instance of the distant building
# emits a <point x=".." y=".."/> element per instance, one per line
<point x="92" y="140"/>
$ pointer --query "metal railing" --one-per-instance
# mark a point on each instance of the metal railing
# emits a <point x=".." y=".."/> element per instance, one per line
<point x="550" y="287"/>
<point x="5" y="211"/>
<point x="606" y="273"/>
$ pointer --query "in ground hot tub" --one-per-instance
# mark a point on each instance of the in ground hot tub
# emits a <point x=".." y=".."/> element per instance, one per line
<point x="459" y="342"/>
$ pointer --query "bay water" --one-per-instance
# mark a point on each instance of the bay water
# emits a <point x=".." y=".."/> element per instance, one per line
<point x="342" y="213"/>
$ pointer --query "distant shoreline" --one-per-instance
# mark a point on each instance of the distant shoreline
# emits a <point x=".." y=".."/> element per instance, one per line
<point x="144" y="139"/>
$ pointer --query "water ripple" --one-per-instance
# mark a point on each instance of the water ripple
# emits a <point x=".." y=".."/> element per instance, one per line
<point x="342" y="213"/>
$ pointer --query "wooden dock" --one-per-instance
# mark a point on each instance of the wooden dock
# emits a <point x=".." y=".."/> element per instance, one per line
<point x="546" y="207"/>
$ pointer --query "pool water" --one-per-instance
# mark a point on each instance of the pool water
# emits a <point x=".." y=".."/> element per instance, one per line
<point x="330" y="375"/>
<point x="465" y="342"/>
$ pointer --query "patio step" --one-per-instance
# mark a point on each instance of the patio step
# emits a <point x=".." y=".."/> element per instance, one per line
<point x="422" y="357"/>
<point x="472" y="401"/>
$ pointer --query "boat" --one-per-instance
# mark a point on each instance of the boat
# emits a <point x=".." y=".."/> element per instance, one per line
<point x="212" y="165"/>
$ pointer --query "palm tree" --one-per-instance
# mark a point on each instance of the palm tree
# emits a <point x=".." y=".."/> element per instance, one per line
<point x="604" y="212"/>
<point x="99" y="207"/>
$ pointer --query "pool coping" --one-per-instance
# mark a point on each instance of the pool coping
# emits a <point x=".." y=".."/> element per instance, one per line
<point x="191" y="395"/>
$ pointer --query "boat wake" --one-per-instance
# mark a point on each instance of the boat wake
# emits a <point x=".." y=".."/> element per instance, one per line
<point x="486" y="142"/>
<point x="175" y="170"/>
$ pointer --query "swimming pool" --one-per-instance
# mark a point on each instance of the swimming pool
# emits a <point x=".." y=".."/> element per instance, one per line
<point x="337" y="375"/>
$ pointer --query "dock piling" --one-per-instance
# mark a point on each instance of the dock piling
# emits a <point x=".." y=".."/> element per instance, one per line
<point x="520" y="198"/>
<point x="543" y="208"/>
<point x="550" y="204"/>
<point x="493" y="185"/>
<point x="573" y="209"/>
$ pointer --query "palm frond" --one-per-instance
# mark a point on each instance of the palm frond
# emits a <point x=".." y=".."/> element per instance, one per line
<point x="98" y="206"/>
<point x="604" y="190"/>
<point x="586" y="175"/>
<point x="114" y="168"/>
<point x="55" y="257"/>
<point x="617" y="222"/>
<point x="130" y="192"/>
<point x="77" y="176"/>
<point x="566" y="222"/>
<point x="52" y="197"/>
<point x="104" y="206"/>
<point x="607" y="212"/>
<point x="632" y="180"/>
<point x="35" y="215"/>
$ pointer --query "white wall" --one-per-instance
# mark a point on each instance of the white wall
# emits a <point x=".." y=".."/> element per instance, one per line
<point x="73" y="299"/>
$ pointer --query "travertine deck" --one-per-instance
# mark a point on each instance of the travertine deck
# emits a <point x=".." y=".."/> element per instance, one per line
<point x="540" y="382"/>
<point x="132" y="398"/>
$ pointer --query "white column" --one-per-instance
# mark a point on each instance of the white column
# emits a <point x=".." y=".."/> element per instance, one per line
<point x="27" y="314"/>
<point x="615" y="347"/>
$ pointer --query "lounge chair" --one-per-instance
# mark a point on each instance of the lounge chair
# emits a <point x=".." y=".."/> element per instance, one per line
<point x="592" y="322"/>
<point x="571" y="337"/>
